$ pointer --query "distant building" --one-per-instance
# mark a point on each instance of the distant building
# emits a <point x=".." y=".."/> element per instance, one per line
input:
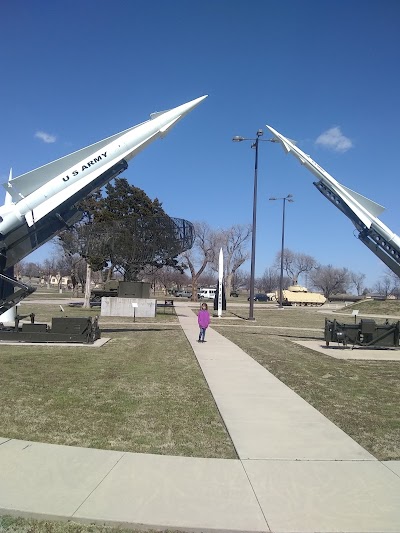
<point x="55" y="280"/>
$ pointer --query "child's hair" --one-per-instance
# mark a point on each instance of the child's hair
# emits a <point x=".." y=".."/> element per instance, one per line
<point x="204" y="305"/>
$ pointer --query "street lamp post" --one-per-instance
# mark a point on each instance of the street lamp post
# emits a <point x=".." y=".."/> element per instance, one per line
<point x="288" y="198"/>
<point x="255" y="141"/>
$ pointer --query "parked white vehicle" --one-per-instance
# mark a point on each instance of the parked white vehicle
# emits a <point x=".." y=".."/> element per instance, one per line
<point x="206" y="293"/>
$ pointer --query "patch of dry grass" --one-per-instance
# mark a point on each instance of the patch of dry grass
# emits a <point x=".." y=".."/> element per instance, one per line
<point x="362" y="398"/>
<point x="378" y="307"/>
<point x="9" y="524"/>
<point x="299" y="317"/>
<point x="142" y="392"/>
<point x="44" y="311"/>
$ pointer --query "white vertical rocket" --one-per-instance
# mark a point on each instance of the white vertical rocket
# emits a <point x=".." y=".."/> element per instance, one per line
<point x="220" y="279"/>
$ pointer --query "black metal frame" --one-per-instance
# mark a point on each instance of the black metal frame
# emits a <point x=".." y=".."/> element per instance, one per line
<point x="366" y="333"/>
<point x="369" y="237"/>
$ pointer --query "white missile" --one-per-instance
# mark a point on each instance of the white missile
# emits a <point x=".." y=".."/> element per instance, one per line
<point x="220" y="276"/>
<point x="361" y="211"/>
<point x="46" y="196"/>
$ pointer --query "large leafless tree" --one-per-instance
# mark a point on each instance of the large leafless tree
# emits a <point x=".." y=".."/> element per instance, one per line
<point x="168" y="277"/>
<point x="330" y="280"/>
<point x="388" y="285"/>
<point x="201" y="254"/>
<point x="233" y="242"/>
<point x="295" y="264"/>
<point x="269" y="281"/>
<point x="357" y="279"/>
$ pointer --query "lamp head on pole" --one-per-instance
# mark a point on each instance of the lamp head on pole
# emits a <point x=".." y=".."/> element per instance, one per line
<point x="238" y="139"/>
<point x="288" y="198"/>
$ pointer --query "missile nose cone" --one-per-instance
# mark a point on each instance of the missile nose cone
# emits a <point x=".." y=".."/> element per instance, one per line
<point x="173" y="116"/>
<point x="185" y="108"/>
<point x="274" y="132"/>
<point x="196" y="101"/>
<point x="286" y="143"/>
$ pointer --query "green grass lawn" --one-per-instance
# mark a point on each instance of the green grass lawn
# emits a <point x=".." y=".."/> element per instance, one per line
<point x="142" y="392"/>
<point x="45" y="311"/>
<point x="362" y="398"/>
<point x="379" y="307"/>
<point x="296" y="317"/>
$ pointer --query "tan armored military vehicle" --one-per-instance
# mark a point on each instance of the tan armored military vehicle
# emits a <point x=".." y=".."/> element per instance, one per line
<point x="298" y="295"/>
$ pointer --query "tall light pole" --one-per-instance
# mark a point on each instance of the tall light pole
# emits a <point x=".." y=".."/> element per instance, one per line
<point x="288" y="198"/>
<point x="255" y="142"/>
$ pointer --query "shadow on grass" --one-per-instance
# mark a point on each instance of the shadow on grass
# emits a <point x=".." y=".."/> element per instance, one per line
<point x="286" y="335"/>
<point x="238" y="316"/>
<point x="134" y="329"/>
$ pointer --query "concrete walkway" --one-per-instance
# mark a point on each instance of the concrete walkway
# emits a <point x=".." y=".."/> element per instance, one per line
<point x="296" y="473"/>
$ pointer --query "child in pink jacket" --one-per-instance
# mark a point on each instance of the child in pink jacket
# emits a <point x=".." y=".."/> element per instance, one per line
<point x="203" y="320"/>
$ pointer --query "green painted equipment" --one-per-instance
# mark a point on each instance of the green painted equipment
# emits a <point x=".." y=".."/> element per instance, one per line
<point x="63" y="329"/>
<point x="366" y="333"/>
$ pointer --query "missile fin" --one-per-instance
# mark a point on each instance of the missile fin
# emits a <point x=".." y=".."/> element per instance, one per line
<point x="372" y="207"/>
<point x="157" y="114"/>
<point x="167" y="127"/>
<point x="8" y="197"/>
<point x="25" y="184"/>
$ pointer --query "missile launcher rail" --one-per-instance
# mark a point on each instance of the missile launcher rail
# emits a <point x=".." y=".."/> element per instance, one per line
<point x="12" y="299"/>
<point x="382" y="249"/>
<point x="378" y="245"/>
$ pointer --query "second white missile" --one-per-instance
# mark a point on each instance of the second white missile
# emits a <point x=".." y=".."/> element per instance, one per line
<point x="361" y="210"/>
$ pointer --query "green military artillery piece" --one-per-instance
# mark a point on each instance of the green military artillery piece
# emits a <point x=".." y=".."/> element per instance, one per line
<point x="366" y="333"/>
<point x="83" y="330"/>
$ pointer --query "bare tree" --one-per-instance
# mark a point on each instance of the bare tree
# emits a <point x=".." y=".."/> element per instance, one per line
<point x="330" y="280"/>
<point x="395" y="290"/>
<point x="295" y="263"/>
<point x="49" y="269"/>
<point x="168" y="277"/>
<point x="202" y="253"/>
<point x="233" y="242"/>
<point x="240" y="280"/>
<point x="357" y="279"/>
<point x="269" y="281"/>
<point x="32" y="270"/>
<point x="76" y="268"/>
<point x="208" y="278"/>
<point x="386" y="286"/>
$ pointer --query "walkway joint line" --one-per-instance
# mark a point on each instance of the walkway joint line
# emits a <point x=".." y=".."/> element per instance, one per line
<point x="98" y="485"/>
<point x="255" y="495"/>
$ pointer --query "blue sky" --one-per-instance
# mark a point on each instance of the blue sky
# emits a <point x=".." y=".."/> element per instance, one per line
<point x="75" y="72"/>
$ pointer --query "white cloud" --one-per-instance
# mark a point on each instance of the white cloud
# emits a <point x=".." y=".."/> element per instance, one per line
<point x="335" y="140"/>
<point x="45" y="137"/>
